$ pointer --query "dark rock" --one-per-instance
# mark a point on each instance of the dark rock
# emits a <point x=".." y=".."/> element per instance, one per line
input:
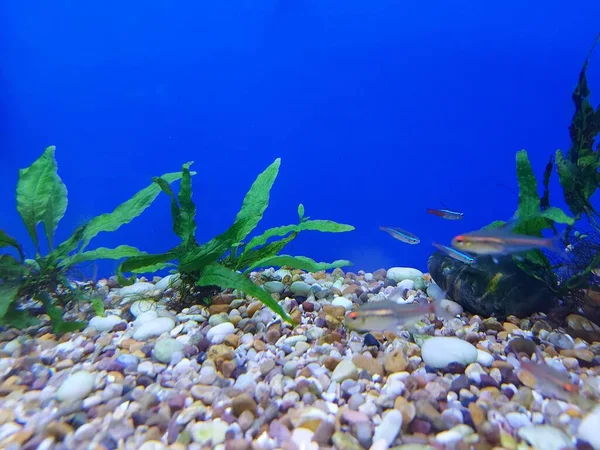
<point x="487" y="381"/>
<point x="514" y="292"/>
<point x="460" y="382"/>
<point x="121" y="326"/>
<point x="144" y="380"/>
<point x="521" y="345"/>
<point x="370" y="340"/>
<point x="419" y="426"/>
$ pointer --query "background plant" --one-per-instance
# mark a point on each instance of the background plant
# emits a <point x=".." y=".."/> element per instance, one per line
<point x="579" y="178"/>
<point x="42" y="198"/>
<point x="225" y="261"/>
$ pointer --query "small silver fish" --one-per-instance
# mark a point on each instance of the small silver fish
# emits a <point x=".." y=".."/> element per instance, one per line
<point x="389" y="315"/>
<point x="401" y="235"/>
<point x="460" y="256"/>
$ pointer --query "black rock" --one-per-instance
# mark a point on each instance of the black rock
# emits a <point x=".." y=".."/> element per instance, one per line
<point x="490" y="289"/>
<point x="460" y="382"/>
<point x="371" y="341"/>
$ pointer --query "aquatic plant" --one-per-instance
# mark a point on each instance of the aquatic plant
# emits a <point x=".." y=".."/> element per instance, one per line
<point x="225" y="261"/>
<point x="579" y="178"/>
<point x="42" y="198"/>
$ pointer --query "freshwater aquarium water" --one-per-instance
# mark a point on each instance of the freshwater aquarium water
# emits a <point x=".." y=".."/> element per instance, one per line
<point x="299" y="224"/>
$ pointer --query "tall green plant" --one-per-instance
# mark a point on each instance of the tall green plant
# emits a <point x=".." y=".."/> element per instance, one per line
<point x="42" y="198"/>
<point x="225" y="260"/>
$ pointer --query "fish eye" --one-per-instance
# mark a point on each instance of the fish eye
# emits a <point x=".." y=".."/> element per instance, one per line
<point x="353" y="315"/>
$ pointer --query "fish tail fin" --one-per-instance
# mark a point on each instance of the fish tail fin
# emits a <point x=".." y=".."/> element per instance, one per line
<point x="557" y="245"/>
<point x="435" y="212"/>
<point x="438" y="309"/>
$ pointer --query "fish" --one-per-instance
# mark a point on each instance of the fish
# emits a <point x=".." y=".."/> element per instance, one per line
<point x="387" y="315"/>
<point x="401" y="235"/>
<point x="501" y="241"/>
<point x="460" y="256"/>
<point x="547" y="380"/>
<point x="446" y="214"/>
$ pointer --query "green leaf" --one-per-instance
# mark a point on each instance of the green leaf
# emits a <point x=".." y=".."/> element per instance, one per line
<point x="175" y="211"/>
<point x="300" y="212"/>
<point x="7" y="241"/>
<point x="122" y="251"/>
<point x="19" y="319"/>
<point x="324" y="226"/>
<point x="252" y="210"/>
<point x="188" y="209"/>
<point x="529" y="201"/>
<point x="557" y="215"/>
<point x="495" y="224"/>
<point x="10" y="268"/>
<point x="266" y="251"/>
<point x="41" y="196"/>
<point x="98" y="305"/>
<point x="8" y="294"/>
<point x="217" y="275"/>
<point x="146" y="263"/>
<point x="298" y="262"/>
<point x="125" y="212"/>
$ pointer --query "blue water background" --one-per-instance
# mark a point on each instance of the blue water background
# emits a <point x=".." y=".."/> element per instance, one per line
<point x="378" y="109"/>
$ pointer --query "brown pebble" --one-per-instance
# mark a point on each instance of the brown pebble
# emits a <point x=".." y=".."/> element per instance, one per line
<point x="337" y="312"/>
<point x="395" y="361"/>
<point x="272" y="336"/>
<point x="478" y="415"/>
<point x="258" y="345"/>
<point x="217" y="309"/>
<point x="296" y="315"/>
<point x="241" y="403"/>
<point x="370" y="364"/>
<point x="253" y="308"/>
<point x="308" y="307"/>
<point x="331" y="363"/>
<point x="237" y="444"/>
<point x="232" y="340"/>
<point x="227" y="368"/>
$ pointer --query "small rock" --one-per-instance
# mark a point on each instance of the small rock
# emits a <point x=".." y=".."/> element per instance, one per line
<point x="545" y="437"/>
<point x="438" y="352"/>
<point x="588" y="429"/>
<point x="300" y="288"/>
<point x="210" y="432"/>
<point x="484" y="358"/>
<point x="104" y="323"/>
<point x="344" y="370"/>
<point x="398" y="274"/>
<point x="241" y="403"/>
<point x="344" y="302"/>
<point x="389" y="427"/>
<point x="395" y="361"/>
<point x="153" y="328"/>
<point x="76" y="386"/>
<point x="217" y="334"/>
<point x="165" y="348"/>
<point x="274" y="287"/>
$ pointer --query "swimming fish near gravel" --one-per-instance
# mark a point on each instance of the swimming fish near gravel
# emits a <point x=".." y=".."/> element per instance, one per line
<point x="500" y="241"/>
<point x="401" y="235"/>
<point x="547" y="380"/>
<point x="388" y="315"/>
<point x="446" y="214"/>
<point x="460" y="256"/>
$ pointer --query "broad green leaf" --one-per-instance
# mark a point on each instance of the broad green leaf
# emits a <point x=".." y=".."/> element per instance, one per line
<point x="19" y="319"/>
<point x="125" y="212"/>
<point x="188" y="209"/>
<point x="7" y="241"/>
<point x="298" y="262"/>
<point x="8" y="294"/>
<point x="300" y="212"/>
<point x="175" y="211"/>
<point x="266" y="251"/>
<point x="495" y="224"/>
<point x="529" y="201"/>
<point x="68" y="246"/>
<point x="254" y="205"/>
<point x="122" y="251"/>
<point x="557" y="215"/>
<point x="41" y="196"/>
<point x="324" y="226"/>
<point x="146" y="262"/>
<point x="10" y="268"/>
<point x="217" y="275"/>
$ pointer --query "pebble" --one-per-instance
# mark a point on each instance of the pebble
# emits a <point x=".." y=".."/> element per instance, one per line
<point x="165" y="348"/>
<point x="439" y="352"/>
<point x="343" y="302"/>
<point x="217" y="333"/>
<point x="104" y="323"/>
<point x="589" y="429"/>
<point x="344" y="370"/>
<point x="545" y="437"/>
<point x="153" y="328"/>
<point x="399" y="274"/>
<point x="300" y="288"/>
<point x="138" y="288"/>
<point x="76" y="386"/>
<point x="389" y="428"/>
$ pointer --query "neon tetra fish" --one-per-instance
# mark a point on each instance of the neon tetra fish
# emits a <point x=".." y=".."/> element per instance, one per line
<point x="459" y="256"/>
<point x="401" y="235"/>
<point x="446" y="214"/>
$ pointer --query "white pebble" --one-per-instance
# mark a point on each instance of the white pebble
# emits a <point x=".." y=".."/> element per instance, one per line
<point x="389" y="427"/>
<point x="342" y="301"/>
<point x="217" y="334"/>
<point x="104" y="323"/>
<point x="168" y="281"/>
<point x="484" y="358"/>
<point x="406" y="284"/>
<point x="77" y="386"/>
<point x="438" y="352"/>
<point x="141" y="306"/>
<point x="153" y="328"/>
<point x="139" y="288"/>
<point x="545" y="437"/>
<point x="588" y="429"/>
<point x="403" y="273"/>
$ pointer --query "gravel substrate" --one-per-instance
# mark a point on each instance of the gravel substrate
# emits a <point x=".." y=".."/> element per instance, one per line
<point x="233" y="376"/>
